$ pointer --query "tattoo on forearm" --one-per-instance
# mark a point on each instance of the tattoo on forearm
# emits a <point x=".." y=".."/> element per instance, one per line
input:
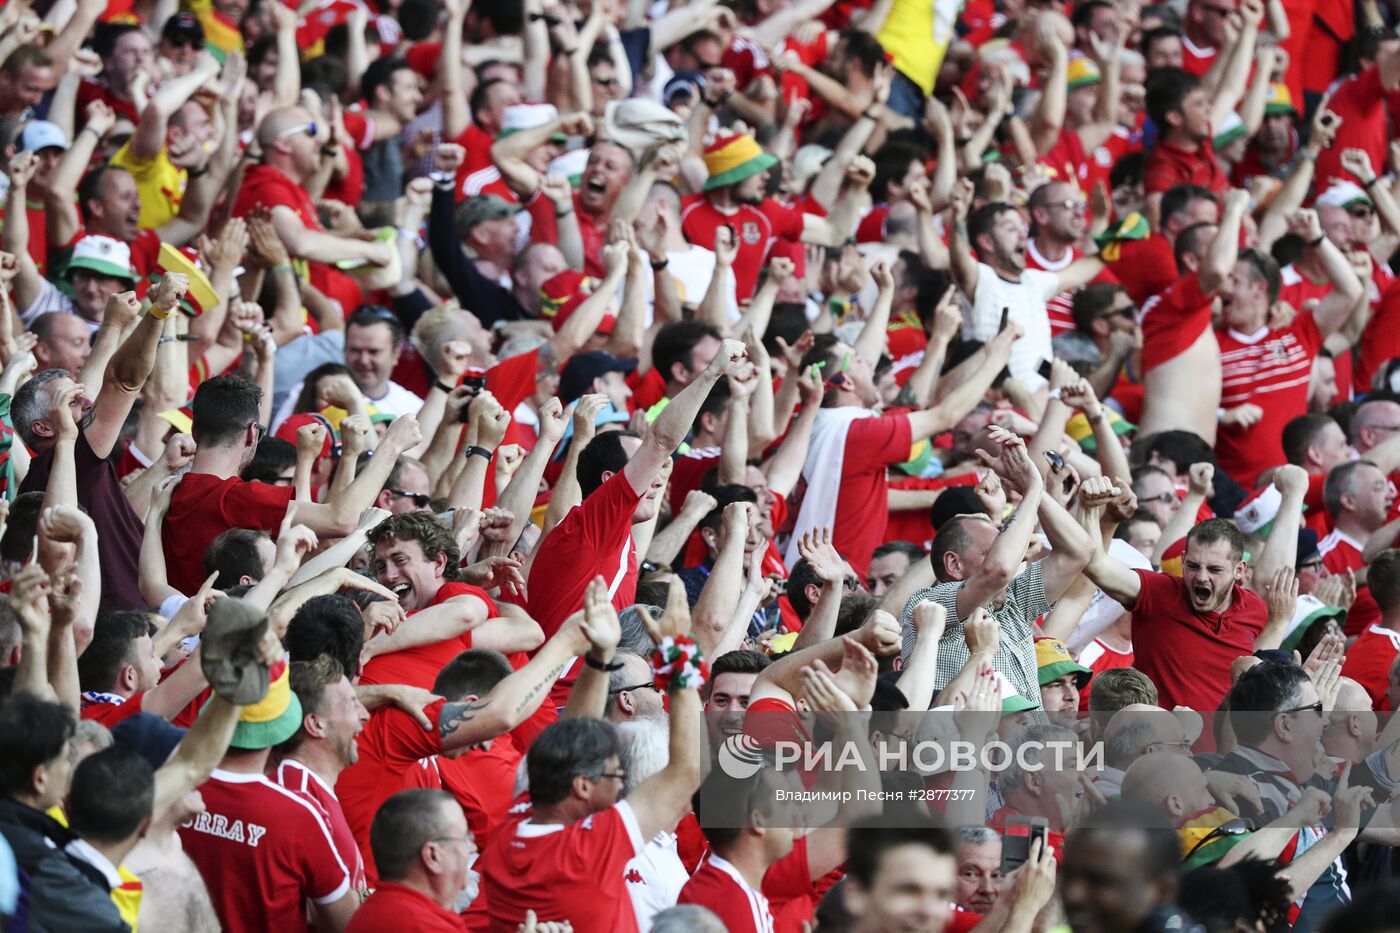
<point x="544" y="684"/>
<point x="457" y="714"/>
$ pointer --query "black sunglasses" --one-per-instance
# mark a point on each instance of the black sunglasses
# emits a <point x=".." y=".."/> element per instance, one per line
<point x="1314" y="707"/>
<point x="419" y="499"/>
<point x="645" y="686"/>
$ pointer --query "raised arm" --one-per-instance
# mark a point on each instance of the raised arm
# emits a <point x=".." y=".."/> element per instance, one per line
<point x="1004" y="559"/>
<point x="1049" y="118"/>
<point x="1224" y="250"/>
<point x="339" y="515"/>
<point x="720" y="594"/>
<point x="963" y="265"/>
<point x="149" y="138"/>
<point x="968" y="390"/>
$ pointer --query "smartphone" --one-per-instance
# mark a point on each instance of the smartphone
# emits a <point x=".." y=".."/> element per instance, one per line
<point x="529" y="537"/>
<point x="1005" y="316"/>
<point x="1057" y="463"/>
<point x="1018" y="835"/>
<point x="1044" y="370"/>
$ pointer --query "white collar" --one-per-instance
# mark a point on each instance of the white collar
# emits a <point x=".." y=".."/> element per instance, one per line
<point x="1195" y="49"/>
<point x="238" y="777"/>
<point x="1046" y="264"/>
<point x="731" y="871"/>
<point x="1348" y="539"/>
<point x="81" y="849"/>
<point x="312" y="774"/>
<point x="1251" y="339"/>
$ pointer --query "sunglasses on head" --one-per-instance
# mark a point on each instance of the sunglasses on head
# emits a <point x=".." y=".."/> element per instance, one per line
<point x="308" y="128"/>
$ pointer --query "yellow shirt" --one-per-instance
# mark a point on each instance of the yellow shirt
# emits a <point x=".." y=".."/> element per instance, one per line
<point x="160" y="183"/>
<point x="916" y="34"/>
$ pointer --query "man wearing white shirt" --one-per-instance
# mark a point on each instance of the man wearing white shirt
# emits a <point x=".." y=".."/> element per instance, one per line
<point x="373" y="342"/>
<point x="997" y="280"/>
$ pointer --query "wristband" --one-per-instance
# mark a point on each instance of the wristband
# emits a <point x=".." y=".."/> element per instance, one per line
<point x="679" y="662"/>
<point x="1053" y="394"/>
<point x="92" y="130"/>
<point x="329" y="151"/>
<point x="613" y="665"/>
<point x="280" y="267"/>
<point x="870" y="116"/>
<point x="1095" y="418"/>
<point x="438" y="383"/>
<point x="1367" y="185"/>
<point x="476" y="451"/>
<point x="1313" y="244"/>
<point x="564" y="213"/>
<point x="658" y="264"/>
<point x="158" y="313"/>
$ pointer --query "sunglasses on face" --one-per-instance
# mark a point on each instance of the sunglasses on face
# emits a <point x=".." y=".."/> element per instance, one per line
<point x="605" y="82"/>
<point x="420" y="500"/>
<point x="1362" y="212"/>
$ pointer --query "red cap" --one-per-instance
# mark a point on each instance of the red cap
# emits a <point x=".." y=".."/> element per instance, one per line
<point x="288" y="430"/>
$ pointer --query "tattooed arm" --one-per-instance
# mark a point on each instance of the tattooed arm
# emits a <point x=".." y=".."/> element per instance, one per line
<point x="517" y="697"/>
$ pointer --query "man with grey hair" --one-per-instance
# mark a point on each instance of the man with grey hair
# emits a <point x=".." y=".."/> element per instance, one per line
<point x="1042" y="779"/>
<point x="1134" y="731"/>
<point x="979" y="876"/>
<point x="632" y="690"/>
<point x="116" y="512"/>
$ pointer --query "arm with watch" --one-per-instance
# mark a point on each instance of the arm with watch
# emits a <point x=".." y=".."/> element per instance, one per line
<point x="488" y="422"/>
<point x="1294" y="191"/>
<point x="589" y="697"/>
<point x="1055" y="417"/>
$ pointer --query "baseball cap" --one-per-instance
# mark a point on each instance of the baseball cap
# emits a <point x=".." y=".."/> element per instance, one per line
<point x="182" y="29"/>
<point x="682" y="82"/>
<point x="41" y="134"/>
<point x="103" y="255"/>
<point x="1307" y="547"/>
<point x="1343" y="194"/>
<point x="484" y="207"/>
<point x="287" y="430"/>
<point x="149" y="735"/>
<point x="578" y="374"/>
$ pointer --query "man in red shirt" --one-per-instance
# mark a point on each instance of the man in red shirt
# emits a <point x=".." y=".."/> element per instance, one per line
<point x="734" y="199"/>
<point x="212" y="499"/>
<point x="621" y="478"/>
<point x="1358" y="497"/>
<point x="424" y="853"/>
<point x="416" y="557"/>
<point x="126" y="51"/>
<point x="489" y="102"/>
<point x="1204" y="32"/>
<point x="1187" y="632"/>
<point x="1361" y="101"/>
<point x="1183" y="111"/>
<point x="1370" y="657"/>
<point x="1265" y="373"/>
<point x="565" y="860"/>
<point x="119" y="673"/>
<point x="1180" y="353"/>
<point x="264" y="851"/>
<point x="852" y="445"/>
<point x="291" y="144"/>
<point x="323" y="746"/>
<point x="393" y="741"/>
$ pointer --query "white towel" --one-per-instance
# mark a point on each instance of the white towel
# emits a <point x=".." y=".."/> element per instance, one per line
<point x="826" y="456"/>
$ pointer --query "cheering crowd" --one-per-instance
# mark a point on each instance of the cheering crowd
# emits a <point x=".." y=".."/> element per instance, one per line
<point x="434" y="432"/>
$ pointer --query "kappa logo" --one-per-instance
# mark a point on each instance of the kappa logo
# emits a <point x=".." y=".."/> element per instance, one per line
<point x="740" y="756"/>
<point x="635" y="877"/>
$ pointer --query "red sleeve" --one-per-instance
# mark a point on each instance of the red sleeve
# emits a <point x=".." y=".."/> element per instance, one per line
<point x="544" y="226"/>
<point x="606" y="516"/>
<point x="787" y="222"/>
<point x="1155" y="589"/>
<point x="1313" y="497"/>
<point x="404" y="741"/>
<point x="875" y="443"/>
<point x="328" y="875"/>
<point x="359" y="127"/>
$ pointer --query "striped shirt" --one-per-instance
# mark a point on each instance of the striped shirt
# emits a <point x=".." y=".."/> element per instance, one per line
<point x="1271" y="369"/>
<point x="1015" y="658"/>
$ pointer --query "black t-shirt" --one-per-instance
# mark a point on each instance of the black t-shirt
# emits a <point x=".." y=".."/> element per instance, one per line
<point x="119" y="528"/>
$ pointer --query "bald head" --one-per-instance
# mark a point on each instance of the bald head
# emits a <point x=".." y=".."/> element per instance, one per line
<point x="1373" y="423"/>
<point x="1351" y="696"/>
<point x="1139" y="730"/>
<point x="1171" y="781"/>
<point x="280" y="121"/>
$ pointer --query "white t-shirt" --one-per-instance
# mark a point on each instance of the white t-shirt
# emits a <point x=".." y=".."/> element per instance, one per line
<point x="1026" y="301"/>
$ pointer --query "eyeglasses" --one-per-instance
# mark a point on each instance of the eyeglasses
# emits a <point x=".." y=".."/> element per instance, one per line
<point x="1314" y="564"/>
<point x="1217" y="10"/>
<point x="262" y="431"/>
<point x="1182" y="746"/>
<point x="466" y="840"/>
<point x="646" y="686"/>
<point x="1362" y="211"/>
<point x="1131" y="311"/>
<point x="1166" y="497"/>
<point x="615" y="775"/>
<point x="1074" y="205"/>
<point x="605" y="82"/>
<point x="419" y="499"/>
<point x="1385" y="427"/>
<point x="308" y="128"/>
<point x="1315" y="707"/>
